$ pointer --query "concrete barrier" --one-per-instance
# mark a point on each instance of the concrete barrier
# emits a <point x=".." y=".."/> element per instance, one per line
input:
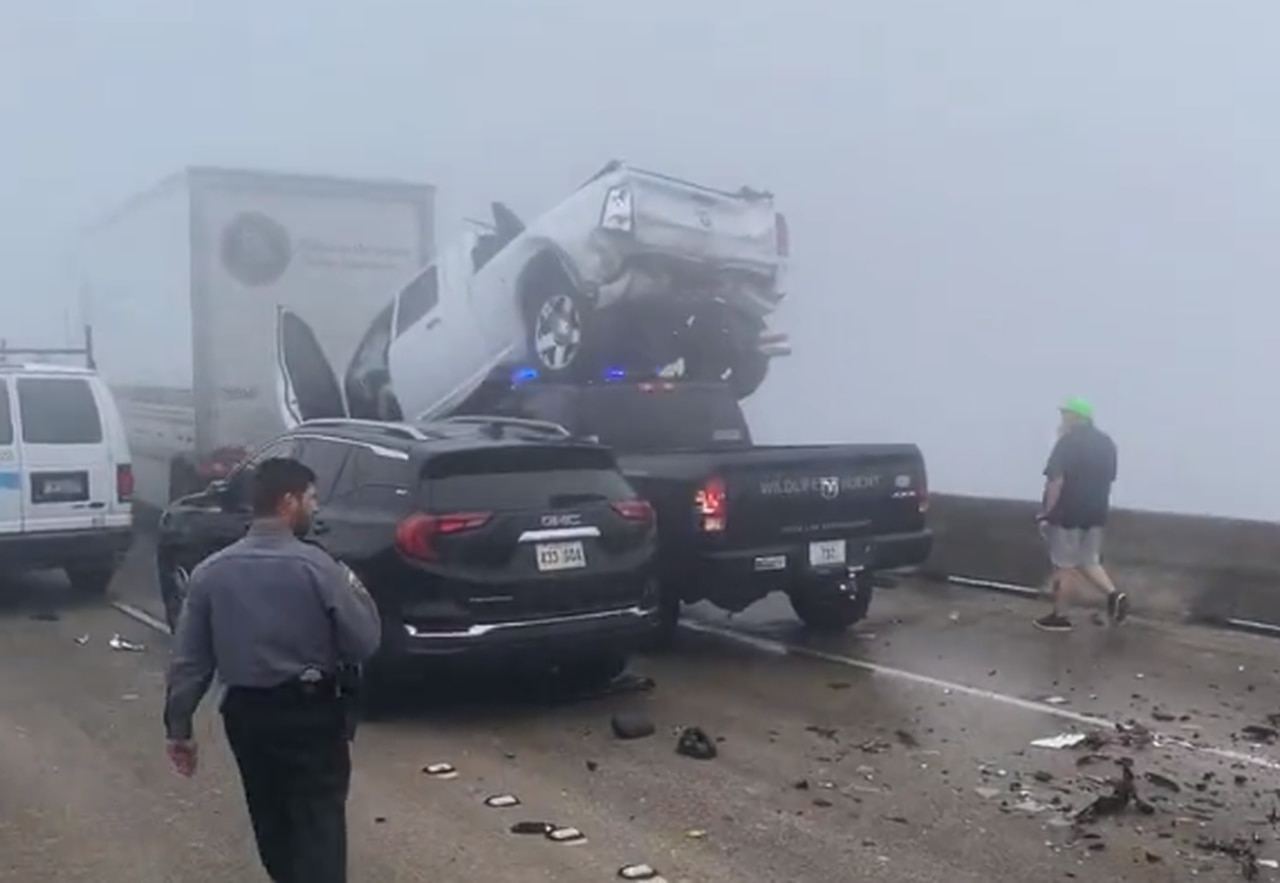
<point x="1173" y="566"/>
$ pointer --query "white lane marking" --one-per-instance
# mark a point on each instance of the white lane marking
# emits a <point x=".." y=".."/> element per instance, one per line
<point x="781" y="648"/>
<point x="142" y="616"/>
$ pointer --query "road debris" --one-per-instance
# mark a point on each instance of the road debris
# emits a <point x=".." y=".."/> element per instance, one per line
<point x="502" y="801"/>
<point x="566" y="835"/>
<point x="532" y="828"/>
<point x="82" y="640"/>
<point x="1258" y="734"/>
<point x="46" y="616"/>
<point x="639" y="872"/>
<point x="1124" y="793"/>
<point x="1064" y="740"/>
<point x="1161" y="781"/>
<point x="630" y="725"/>
<point x="696" y="834"/>
<point x="696" y="744"/>
<point x="830" y="733"/>
<point x="440" y="771"/>
<point x="906" y="739"/>
<point x="1244" y="852"/>
<point x="874" y="746"/>
<point x="124" y="645"/>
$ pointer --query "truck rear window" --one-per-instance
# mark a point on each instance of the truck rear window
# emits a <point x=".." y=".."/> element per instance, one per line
<point x="523" y="478"/>
<point x="683" y="418"/>
<point x="6" y="421"/>
<point x="58" y="411"/>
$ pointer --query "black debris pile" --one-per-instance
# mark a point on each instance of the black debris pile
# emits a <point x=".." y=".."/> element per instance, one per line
<point x="1258" y="734"/>
<point x="1162" y="781"/>
<point x="694" y="743"/>
<point x="1240" y="849"/>
<point x="829" y="733"/>
<point x="1124" y="793"/>
<point x="906" y="739"/>
<point x="874" y="746"/>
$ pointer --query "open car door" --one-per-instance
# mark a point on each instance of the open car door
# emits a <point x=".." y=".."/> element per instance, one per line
<point x="306" y="385"/>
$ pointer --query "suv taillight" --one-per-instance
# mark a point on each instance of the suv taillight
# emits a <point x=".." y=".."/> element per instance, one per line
<point x="124" y="482"/>
<point x="711" y="505"/>
<point x="635" y="510"/>
<point x="416" y="535"/>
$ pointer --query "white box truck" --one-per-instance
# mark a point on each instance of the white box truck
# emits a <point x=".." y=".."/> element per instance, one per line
<point x="190" y="286"/>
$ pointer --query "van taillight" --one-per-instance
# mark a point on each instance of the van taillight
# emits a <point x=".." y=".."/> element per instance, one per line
<point x="635" y="510"/>
<point x="782" y="235"/>
<point x="711" y="505"/>
<point x="416" y="535"/>
<point x="124" y="483"/>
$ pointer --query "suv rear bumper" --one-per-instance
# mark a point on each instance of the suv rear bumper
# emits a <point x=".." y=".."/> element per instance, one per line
<point x="613" y="631"/>
<point x="748" y="575"/>
<point x="36" y="551"/>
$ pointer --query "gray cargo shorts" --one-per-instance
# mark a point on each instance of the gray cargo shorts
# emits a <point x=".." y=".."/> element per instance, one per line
<point x="1073" y="547"/>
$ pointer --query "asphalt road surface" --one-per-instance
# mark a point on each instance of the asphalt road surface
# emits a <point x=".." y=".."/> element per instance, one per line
<point x="901" y="752"/>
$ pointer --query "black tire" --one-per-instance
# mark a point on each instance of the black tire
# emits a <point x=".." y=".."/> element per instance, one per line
<point x="828" y="609"/>
<point x="559" y="311"/>
<point x="172" y="578"/>
<point x="92" y="578"/>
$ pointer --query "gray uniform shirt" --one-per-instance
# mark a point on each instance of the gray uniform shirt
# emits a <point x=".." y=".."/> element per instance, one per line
<point x="259" y="613"/>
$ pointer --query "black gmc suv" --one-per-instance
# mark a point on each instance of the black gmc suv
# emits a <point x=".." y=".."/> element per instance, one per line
<point x="494" y="538"/>
<point x="737" y="520"/>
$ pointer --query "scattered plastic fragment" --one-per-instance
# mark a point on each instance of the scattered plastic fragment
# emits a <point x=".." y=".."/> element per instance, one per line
<point x="82" y="640"/>
<point x="571" y="836"/>
<point x="637" y="872"/>
<point x="1065" y="740"/>
<point x="119" y="643"/>
<point x="696" y="834"/>
<point x="541" y="828"/>
<point x="1124" y="793"/>
<point x="1161" y="781"/>
<point x="440" y="771"/>
<point x="502" y="801"/>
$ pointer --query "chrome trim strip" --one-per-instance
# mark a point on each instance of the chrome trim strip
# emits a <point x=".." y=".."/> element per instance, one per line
<point x="478" y="631"/>
<point x="560" y="533"/>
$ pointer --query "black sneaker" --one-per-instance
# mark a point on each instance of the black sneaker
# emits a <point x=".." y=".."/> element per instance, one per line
<point x="1054" y="622"/>
<point x="1118" y="607"/>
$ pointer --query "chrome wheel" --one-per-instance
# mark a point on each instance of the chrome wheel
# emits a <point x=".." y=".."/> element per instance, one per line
<point x="557" y="332"/>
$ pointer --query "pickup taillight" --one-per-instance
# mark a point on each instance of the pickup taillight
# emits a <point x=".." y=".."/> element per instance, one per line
<point x="416" y="535"/>
<point x="124" y="483"/>
<point x="711" y="506"/>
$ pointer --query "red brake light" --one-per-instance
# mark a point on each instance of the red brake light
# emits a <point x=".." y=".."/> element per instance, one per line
<point x="711" y="504"/>
<point x="782" y="235"/>
<point x="415" y="536"/>
<point x="124" y="482"/>
<point x="634" y="510"/>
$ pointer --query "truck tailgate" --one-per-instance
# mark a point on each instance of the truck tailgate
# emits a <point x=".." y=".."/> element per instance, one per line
<point x="778" y="494"/>
<point x="677" y="217"/>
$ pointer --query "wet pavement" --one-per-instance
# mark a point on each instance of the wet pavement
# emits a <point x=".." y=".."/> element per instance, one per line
<point x="900" y="752"/>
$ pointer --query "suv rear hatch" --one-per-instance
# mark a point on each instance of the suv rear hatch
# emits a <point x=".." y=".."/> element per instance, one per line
<point x="522" y="532"/>
<point x="73" y="479"/>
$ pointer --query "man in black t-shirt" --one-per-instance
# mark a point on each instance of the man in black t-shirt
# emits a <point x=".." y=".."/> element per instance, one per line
<point x="1077" y="499"/>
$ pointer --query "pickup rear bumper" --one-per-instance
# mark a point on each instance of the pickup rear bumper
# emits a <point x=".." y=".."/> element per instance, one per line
<point x="37" y="551"/>
<point x="736" y="578"/>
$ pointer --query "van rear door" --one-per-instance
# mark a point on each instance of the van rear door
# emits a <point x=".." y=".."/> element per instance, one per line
<point x="10" y="468"/>
<point x="70" y="472"/>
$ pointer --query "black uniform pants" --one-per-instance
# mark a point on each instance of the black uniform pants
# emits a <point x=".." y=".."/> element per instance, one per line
<point x="295" y="764"/>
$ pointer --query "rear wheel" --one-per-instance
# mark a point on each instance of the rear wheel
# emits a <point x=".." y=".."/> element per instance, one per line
<point x="91" y="578"/>
<point x="832" y="607"/>
<point x="556" y="329"/>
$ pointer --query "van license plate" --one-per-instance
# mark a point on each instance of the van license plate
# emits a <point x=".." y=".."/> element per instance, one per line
<point x="828" y="553"/>
<point x="560" y="556"/>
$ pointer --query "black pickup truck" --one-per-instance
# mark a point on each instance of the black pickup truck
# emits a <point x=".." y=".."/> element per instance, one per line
<point x="737" y="521"/>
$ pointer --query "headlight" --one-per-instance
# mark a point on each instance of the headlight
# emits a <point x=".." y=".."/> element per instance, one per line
<point x="619" y="210"/>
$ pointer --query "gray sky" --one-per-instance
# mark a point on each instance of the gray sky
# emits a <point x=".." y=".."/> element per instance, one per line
<point x="994" y="204"/>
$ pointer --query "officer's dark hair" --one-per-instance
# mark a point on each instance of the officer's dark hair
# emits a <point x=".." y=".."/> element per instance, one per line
<point x="276" y="478"/>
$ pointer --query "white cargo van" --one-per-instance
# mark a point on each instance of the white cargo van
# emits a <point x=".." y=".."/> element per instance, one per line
<point x="66" y="480"/>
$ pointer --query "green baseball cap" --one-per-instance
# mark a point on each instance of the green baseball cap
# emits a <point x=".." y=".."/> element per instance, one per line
<point x="1078" y="406"/>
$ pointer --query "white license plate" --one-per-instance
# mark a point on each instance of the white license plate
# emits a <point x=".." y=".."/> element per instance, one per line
<point x="560" y="556"/>
<point x="828" y="553"/>
<point x="770" y="563"/>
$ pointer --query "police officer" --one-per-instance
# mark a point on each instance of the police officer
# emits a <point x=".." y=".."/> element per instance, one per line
<point x="278" y="620"/>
